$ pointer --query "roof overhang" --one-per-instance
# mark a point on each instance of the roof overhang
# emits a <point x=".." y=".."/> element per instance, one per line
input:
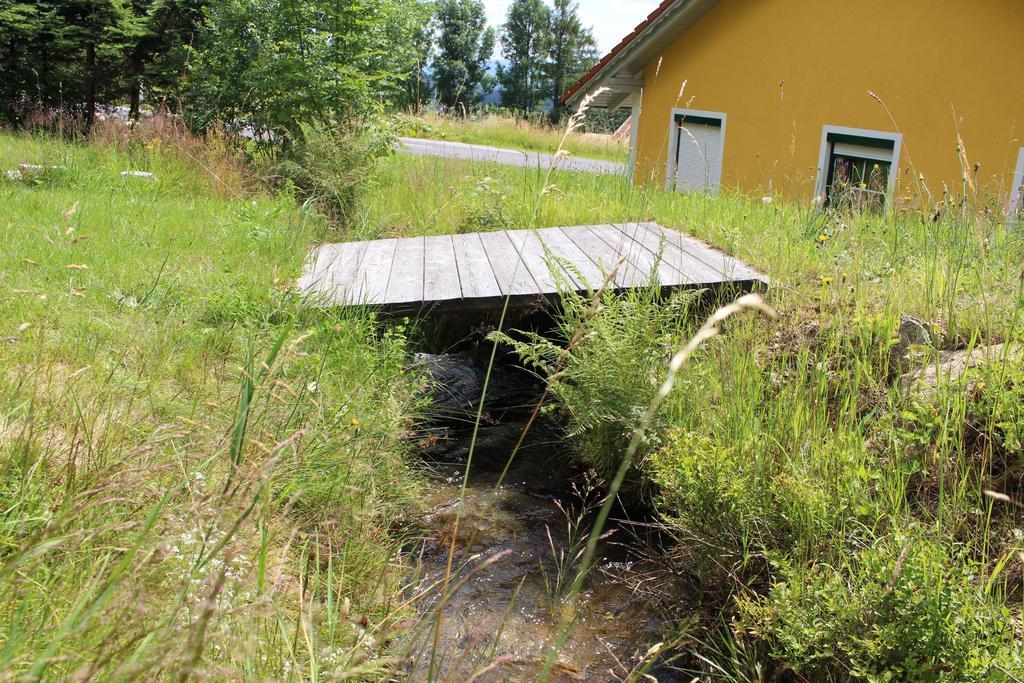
<point x="622" y="69"/>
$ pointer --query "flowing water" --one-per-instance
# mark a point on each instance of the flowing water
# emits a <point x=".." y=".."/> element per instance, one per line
<point x="514" y="550"/>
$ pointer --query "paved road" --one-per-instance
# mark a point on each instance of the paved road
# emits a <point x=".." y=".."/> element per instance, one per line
<point x="510" y="157"/>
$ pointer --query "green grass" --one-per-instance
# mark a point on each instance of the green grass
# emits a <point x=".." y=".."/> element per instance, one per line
<point x="512" y="133"/>
<point x="791" y="462"/>
<point x="197" y="474"/>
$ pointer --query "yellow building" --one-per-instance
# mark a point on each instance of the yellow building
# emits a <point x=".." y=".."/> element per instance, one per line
<point x="852" y="100"/>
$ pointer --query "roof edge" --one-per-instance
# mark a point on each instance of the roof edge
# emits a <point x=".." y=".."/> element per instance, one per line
<point x="643" y="30"/>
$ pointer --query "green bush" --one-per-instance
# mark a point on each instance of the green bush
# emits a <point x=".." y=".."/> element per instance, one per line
<point x="616" y="359"/>
<point x="906" y="608"/>
<point x="731" y="507"/>
<point x="330" y="166"/>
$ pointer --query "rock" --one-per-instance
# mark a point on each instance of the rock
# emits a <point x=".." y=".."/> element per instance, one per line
<point x="916" y="332"/>
<point x="949" y="366"/>
<point x="38" y="169"/>
<point x="458" y="383"/>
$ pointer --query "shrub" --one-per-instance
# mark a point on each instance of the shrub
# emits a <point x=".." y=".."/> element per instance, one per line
<point x="731" y="507"/>
<point x="905" y="608"/>
<point x="616" y="359"/>
<point x="330" y="165"/>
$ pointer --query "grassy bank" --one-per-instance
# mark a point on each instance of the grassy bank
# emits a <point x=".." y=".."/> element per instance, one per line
<point x="198" y="475"/>
<point x="512" y="133"/>
<point x="854" y="523"/>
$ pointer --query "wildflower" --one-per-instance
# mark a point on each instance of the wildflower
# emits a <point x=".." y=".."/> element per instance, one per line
<point x="356" y="422"/>
<point x="822" y="238"/>
<point x="826" y="280"/>
<point x="766" y="200"/>
<point x="312" y="387"/>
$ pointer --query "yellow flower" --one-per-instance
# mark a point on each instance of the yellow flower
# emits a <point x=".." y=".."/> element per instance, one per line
<point x="356" y="422"/>
<point x="826" y="280"/>
<point x="823" y="238"/>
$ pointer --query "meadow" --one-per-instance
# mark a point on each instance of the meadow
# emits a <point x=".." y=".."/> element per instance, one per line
<point x="199" y="475"/>
<point x="203" y="477"/>
<point x="834" y="513"/>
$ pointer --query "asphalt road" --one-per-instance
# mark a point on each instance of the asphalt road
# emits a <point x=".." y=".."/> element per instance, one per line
<point x="509" y="157"/>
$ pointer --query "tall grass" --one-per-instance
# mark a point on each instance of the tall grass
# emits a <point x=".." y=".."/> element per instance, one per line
<point x="800" y="450"/>
<point x="198" y="474"/>
<point x="201" y="477"/>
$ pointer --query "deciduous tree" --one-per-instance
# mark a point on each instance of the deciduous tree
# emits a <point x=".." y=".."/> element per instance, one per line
<point x="524" y="47"/>
<point x="279" y="64"/>
<point x="572" y="51"/>
<point x="464" y="47"/>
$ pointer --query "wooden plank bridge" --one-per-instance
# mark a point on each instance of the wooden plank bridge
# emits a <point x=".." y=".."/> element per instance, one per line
<point x="477" y="271"/>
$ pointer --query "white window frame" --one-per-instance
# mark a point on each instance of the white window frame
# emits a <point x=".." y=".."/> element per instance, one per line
<point x="673" y="140"/>
<point x="634" y="127"/>
<point x="821" y="192"/>
<point x="1016" y="203"/>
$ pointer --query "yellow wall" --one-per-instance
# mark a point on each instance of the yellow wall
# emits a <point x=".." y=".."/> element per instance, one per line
<point x="781" y="69"/>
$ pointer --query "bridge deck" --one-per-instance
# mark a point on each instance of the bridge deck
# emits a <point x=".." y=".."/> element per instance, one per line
<point x="478" y="270"/>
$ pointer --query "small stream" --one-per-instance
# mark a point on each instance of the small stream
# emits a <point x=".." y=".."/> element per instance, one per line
<point x="501" y="623"/>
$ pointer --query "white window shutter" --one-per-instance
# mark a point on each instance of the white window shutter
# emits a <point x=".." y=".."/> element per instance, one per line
<point x="699" y="163"/>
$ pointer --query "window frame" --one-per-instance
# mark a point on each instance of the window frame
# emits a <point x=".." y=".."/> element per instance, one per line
<point x="821" y="181"/>
<point x="1016" y="201"/>
<point x="673" y="146"/>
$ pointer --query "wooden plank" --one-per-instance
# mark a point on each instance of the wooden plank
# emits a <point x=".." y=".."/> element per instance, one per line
<point x="373" y="270"/>
<point x="512" y="276"/>
<point x="406" y="284"/>
<point x="344" y="271"/>
<point x="676" y="267"/>
<point x="547" y="273"/>
<point x="440" y="274"/>
<point x="317" y="272"/>
<point x="475" y="274"/>
<point x="605" y="257"/>
<point x="631" y="274"/>
<point x="731" y="269"/>
<point x="587" y="276"/>
<point x="644" y="269"/>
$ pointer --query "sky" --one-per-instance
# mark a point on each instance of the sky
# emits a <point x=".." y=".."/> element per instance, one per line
<point x="612" y="20"/>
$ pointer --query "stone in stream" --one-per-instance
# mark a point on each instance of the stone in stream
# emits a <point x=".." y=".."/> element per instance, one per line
<point x="457" y="384"/>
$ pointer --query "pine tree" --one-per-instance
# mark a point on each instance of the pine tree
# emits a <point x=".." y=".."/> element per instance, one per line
<point x="465" y="45"/>
<point x="21" y="24"/>
<point x="91" y="37"/>
<point x="572" y="51"/>
<point x="524" y="46"/>
<point x="165" y="32"/>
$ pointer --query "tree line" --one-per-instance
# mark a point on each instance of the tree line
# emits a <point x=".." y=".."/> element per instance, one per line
<point x="275" y="65"/>
<point x="544" y="49"/>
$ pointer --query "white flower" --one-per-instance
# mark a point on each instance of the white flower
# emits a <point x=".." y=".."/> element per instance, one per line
<point x="766" y="200"/>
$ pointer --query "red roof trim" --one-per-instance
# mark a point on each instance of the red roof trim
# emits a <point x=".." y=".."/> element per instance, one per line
<point x="616" y="50"/>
